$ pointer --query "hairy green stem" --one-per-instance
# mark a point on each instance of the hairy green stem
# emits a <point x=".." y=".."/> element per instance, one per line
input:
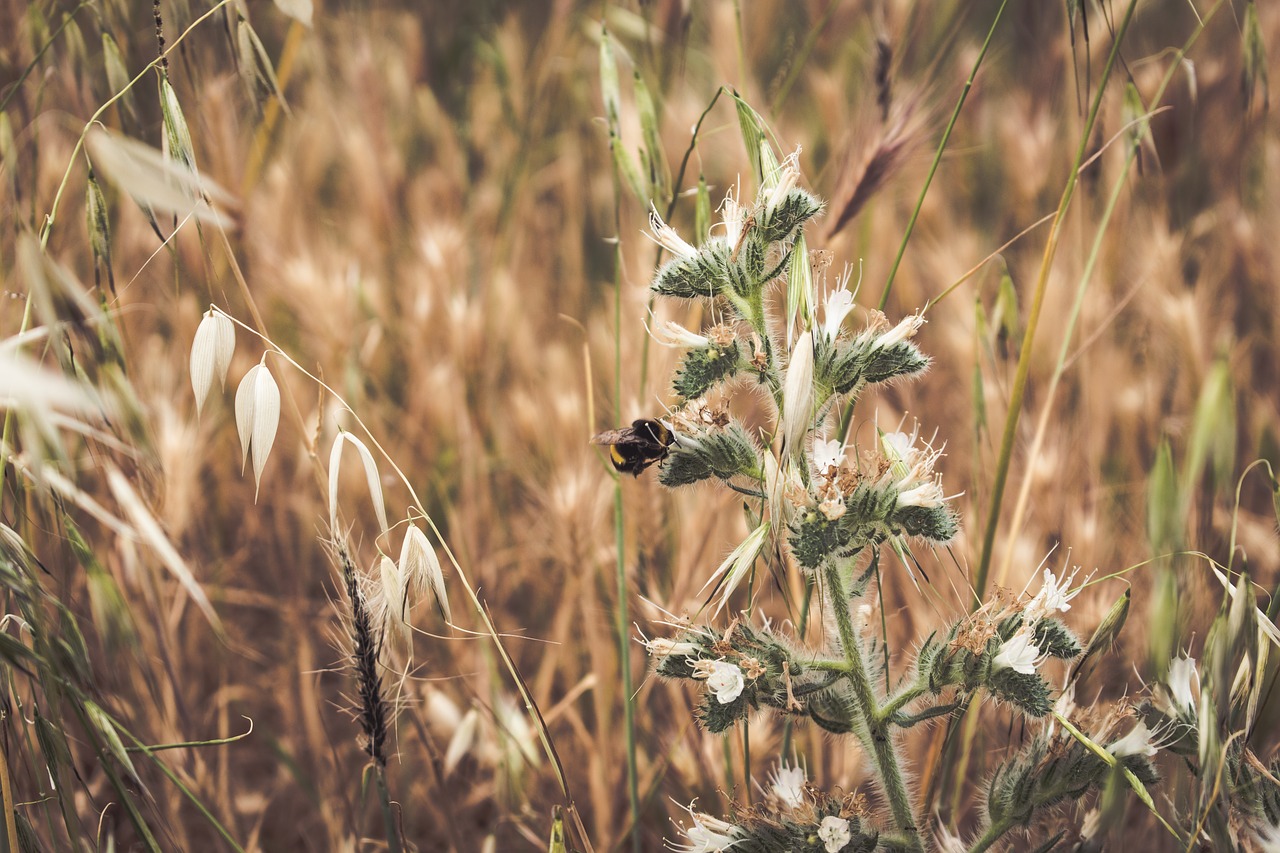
<point x="990" y="837"/>
<point x="877" y="726"/>
<point x="904" y="697"/>
<point x="800" y="626"/>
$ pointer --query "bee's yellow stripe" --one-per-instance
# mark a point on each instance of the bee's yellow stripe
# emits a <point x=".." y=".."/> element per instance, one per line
<point x="618" y="458"/>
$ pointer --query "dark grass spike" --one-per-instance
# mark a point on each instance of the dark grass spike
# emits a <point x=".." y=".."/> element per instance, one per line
<point x="366" y="646"/>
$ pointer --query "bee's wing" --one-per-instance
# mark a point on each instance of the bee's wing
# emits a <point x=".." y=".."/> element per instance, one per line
<point x="611" y="436"/>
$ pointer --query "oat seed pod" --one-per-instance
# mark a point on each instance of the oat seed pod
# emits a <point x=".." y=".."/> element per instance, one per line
<point x="371" y="478"/>
<point x="420" y="568"/>
<point x="257" y="417"/>
<point x="211" y="351"/>
<point x="797" y="395"/>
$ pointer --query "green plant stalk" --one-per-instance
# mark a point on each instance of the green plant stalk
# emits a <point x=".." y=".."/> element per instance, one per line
<point x="624" y="664"/>
<point x="619" y="530"/>
<point x="1095" y="250"/>
<point x="937" y="156"/>
<point x="801" y="56"/>
<point x="1033" y="319"/>
<point x="800" y="626"/>
<point x="993" y="833"/>
<point x="671" y="210"/>
<point x="905" y="697"/>
<point x="882" y="748"/>
<point x="388" y="816"/>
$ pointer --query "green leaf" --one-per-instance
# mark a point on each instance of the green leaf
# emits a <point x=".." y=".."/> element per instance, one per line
<point x="610" y="90"/>
<point x="753" y="138"/>
<point x="659" y="172"/>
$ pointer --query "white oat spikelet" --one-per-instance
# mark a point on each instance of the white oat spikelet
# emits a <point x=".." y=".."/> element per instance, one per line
<point x="257" y="417"/>
<point x="211" y="351"/>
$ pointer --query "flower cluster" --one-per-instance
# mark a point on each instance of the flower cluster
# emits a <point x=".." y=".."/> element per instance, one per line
<point x="742" y="669"/>
<point x="817" y="823"/>
<point x="819" y="506"/>
<point x="1000" y="646"/>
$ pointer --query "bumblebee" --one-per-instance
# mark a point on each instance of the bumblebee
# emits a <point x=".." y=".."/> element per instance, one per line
<point x="635" y="448"/>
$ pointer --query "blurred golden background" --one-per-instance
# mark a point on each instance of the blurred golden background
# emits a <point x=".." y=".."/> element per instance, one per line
<point x="429" y="220"/>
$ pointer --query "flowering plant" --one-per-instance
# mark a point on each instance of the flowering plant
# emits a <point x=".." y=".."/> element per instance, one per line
<point x="820" y="508"/>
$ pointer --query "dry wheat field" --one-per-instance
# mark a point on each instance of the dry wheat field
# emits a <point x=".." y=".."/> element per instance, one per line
<point x="752" y="425"/>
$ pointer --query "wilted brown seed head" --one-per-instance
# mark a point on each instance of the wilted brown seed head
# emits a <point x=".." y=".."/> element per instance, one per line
<point x="751" y="667"/>
<point x="854" y="804"/>
<point x="974" y="633"/>
<point x="722" y="334"/>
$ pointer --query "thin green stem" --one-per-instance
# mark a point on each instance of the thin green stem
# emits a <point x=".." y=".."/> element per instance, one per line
<point x="26" y="72"/>
<point x="891" y="779"/>
<point x="1095" y="251"/>
<point x="800" y="626"/>
<point x="937" y="156"/>
<point x="801" y="56"/>
<point x="388" y="814"/>
<point x="622" y="616"/>
<point x="828" y="665"/>
<point x="1033" y="319"/>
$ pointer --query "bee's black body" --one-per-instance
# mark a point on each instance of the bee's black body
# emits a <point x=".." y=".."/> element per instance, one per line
<point x="638" y="446"/>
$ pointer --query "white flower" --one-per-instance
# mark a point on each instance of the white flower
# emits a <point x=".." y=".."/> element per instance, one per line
<point x="833" y="506"/>
<point x="898" y="446"/>
<point x="788" y="175"/>
<point x="836" y="307"/>
<point x="1136" y="742"/>
<point x="662" y="647"/>
<point x="1018" y="653"/>
<point x="797" y="393"/>
<point x="911" y="470"/>
<point x="834" y="833"/>
<point x="905" y="329"/>
<point x="672" y="334"/>
<point x="786" y="784"/>
<point x="707" y="835"/>
<point x="827" y="454"/>
<point x="666" y="237"/>
<point x="928" y="495"/>
<point x="724" y="679"/>
<point x="1178" y="683"/>
<point x="734" y="218"/>
<point x="211" y="351"/>
<point x="1053" y="597"/>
